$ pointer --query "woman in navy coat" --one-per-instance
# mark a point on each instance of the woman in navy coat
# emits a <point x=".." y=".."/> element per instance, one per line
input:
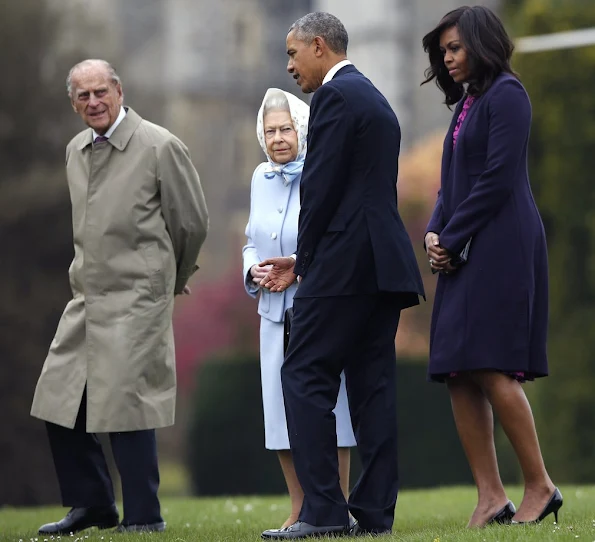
<point x="486" y="241"/>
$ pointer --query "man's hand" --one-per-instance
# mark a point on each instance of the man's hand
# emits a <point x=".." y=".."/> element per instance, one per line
<point x="186" y="290"/>
<point x="281" y="276"/>
<point x="438" y="257"/>
<point x="259" y="271"/>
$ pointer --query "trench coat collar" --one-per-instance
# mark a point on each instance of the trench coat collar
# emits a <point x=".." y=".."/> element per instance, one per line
<point x="122" y="134"/>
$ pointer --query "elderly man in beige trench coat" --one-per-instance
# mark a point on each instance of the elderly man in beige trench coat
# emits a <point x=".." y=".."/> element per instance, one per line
<point x="139" y="220"/>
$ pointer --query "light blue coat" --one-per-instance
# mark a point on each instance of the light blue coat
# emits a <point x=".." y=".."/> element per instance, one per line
<point x="271" y="231"/>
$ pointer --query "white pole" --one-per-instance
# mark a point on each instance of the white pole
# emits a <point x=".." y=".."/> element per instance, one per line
<point x="559" y="40"/>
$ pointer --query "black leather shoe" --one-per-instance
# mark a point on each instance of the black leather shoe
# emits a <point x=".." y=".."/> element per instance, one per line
<point x="158" y="527"/>
<point x="357" y="530"/>
<point x="79" y="519"/>
<point x="301" y="529"/>
<point x="552" y="507"/>
<point x="504" y="516"/>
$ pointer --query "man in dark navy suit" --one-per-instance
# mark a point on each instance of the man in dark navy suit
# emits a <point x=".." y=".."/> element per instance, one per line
<point x="357" y="271"/>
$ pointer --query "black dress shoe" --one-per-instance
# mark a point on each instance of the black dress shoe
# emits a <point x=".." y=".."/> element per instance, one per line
<point x="79" y="519"/>
<point x="552" y="507"/>
<point x="301" y="529"/>
<point x="357" y="530"/>
<point x="158" y="527"/>
<point x="504" y="516"/>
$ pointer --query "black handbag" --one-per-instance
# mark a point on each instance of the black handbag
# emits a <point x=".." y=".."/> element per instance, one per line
<point x="287" y="327"/>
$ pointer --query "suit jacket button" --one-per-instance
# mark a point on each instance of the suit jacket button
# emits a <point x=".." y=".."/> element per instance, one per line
<point x="273" y="236"/>
<point x="306" y="254"/>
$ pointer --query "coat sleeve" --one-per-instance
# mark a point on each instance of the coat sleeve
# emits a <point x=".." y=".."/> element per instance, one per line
<point x="509" y="113"/>
<point x="183" y="206"/>
<point x="437" y="220"/>
<point x="330" y="147"/>
<point x="249" y="252"/>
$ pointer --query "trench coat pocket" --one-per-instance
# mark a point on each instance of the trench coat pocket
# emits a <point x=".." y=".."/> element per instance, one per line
<point x="155" y="269"/>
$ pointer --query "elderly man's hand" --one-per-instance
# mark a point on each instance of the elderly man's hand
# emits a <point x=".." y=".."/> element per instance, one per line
<point x="281" y="275"/>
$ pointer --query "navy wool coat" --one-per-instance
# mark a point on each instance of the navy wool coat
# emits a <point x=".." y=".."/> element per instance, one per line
<point x="492" y="313"/>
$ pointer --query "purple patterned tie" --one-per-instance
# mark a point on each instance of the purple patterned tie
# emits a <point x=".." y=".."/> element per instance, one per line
<point x="99" y="139"/>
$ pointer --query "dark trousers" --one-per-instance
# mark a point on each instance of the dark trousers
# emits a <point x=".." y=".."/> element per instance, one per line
<point x="83" y="473"/>
<point x="328" y="335"/>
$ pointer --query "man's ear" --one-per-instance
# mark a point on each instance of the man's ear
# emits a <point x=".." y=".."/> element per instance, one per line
<point x="319" y="46"/>
<point x="73" y="105"/>
<point x="120" y="94"/>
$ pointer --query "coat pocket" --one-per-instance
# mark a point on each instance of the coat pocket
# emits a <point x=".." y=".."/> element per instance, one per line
<point x="264" y="304"/>
<point x="154" y="269"/>
<point x="337" y="224"/>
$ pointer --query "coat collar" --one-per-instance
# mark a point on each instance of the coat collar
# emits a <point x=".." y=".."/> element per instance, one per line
<point x="448" y="151"/>
<point x="122" y="134"/>
<point x="350" y="68"/>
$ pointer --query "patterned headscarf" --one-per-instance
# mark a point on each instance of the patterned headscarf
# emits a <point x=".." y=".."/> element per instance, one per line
<point x="300" y="112"/>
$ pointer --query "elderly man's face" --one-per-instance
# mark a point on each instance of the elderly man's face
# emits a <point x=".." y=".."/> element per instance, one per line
<point x="304" y="63"/>
<point x="96" y="98"/>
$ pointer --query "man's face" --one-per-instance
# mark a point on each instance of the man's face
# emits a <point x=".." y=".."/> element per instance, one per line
<point x="304" y="63"/>
<point x="96" y="98"/>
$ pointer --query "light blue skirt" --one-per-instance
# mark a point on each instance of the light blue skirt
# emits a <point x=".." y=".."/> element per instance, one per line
<point x="275" y="423"/>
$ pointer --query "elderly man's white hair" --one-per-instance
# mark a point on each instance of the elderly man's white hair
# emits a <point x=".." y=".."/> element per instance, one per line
<point x="276" y="101"/>
<point x="92" y="62"/>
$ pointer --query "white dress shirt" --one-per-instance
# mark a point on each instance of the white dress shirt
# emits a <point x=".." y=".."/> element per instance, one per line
<point x="113" y="127"/>
<point x="332" y="72"/>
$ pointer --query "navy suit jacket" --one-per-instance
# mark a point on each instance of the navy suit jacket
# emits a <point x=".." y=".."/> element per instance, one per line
<point x="351" y="239"/>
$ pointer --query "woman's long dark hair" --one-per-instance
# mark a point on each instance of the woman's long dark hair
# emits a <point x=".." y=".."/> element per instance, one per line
<point x="488" y="51"/>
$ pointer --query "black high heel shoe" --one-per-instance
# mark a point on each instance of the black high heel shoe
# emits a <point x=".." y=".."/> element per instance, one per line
<point x="504" y="516"/>
<point x="552" y="507"/>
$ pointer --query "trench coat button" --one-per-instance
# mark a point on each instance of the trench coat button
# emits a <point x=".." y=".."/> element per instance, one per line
<point x="273" y="236"/>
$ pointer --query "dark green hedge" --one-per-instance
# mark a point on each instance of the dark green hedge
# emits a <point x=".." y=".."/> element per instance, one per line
<point x="226" y="453"/>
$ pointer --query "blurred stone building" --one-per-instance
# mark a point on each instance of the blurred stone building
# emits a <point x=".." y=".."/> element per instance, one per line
<point x="201" y="68"/>
<point x="385" y="44"/>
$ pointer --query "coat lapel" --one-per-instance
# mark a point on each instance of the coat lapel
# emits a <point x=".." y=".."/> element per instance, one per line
<point x="125" y="129"/>
<point x="472" y="110"/>
<point x="447" y="149"/>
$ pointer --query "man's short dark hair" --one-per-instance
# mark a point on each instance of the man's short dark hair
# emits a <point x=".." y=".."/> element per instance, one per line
<point x="325" y="25"/>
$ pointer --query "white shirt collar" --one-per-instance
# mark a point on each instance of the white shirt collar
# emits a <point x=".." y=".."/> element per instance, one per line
<point x="333" y="71"/>
<point x="113" y="127"/>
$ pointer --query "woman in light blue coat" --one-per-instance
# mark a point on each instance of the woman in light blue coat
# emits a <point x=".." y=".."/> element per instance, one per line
<point x="282" y="128"/>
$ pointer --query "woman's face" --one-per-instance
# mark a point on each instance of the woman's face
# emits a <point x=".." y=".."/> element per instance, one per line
<point x="454" y="54"/>
<point x="280" y="137"/>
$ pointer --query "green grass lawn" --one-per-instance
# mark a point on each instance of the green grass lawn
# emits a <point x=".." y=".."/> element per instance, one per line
<point x="429" y="516"/>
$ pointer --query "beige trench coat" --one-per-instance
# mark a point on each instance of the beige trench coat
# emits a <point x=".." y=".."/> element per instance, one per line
<point x="139" y="220"/>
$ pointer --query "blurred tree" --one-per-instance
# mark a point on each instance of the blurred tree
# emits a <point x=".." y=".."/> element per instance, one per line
<point x="36" y="123"/>
<point x="561" y="165"/>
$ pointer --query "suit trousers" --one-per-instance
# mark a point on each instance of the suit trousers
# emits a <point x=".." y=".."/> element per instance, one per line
<point x="83" y="474"/>
<point x="354" y="334"/>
